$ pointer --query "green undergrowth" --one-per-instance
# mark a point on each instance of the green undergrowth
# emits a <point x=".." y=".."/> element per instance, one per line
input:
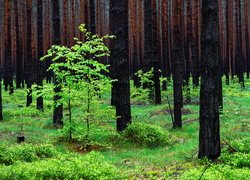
<point x="26" y="153"/>
<point x="148" y="149"/>
<point x="67" y="166"/>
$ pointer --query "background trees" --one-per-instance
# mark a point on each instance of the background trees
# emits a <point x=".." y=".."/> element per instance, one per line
<point x="234" y="34"/>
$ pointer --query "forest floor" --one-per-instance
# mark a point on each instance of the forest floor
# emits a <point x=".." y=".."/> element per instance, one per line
<point x="131" y="160"/>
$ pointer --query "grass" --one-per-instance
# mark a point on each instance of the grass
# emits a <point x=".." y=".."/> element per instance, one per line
<point x="129" y="158"/>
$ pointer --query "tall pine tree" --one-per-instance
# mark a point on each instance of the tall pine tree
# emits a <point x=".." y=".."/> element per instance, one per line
<point x="120" y="62"/>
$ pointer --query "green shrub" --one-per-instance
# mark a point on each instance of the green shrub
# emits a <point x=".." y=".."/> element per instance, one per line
<point x="69" y="166"/>
<point x="146" y="135"/>
<point x="241" y="145"/>
<point x="25" y="153"/>
<point x="237" y="159"/>
<point x="221" y="172"/>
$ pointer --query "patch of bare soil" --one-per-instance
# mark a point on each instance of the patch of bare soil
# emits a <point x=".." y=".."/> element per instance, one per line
<point x="84" y="148"/>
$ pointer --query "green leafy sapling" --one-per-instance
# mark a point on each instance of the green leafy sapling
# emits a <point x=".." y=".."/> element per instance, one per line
<point x="81" y="77"/>
<point x="142" y="94"/>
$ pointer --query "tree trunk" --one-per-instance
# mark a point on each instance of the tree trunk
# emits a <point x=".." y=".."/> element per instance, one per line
<point x="155" y="58"/>
<point x="19" y="66"/>
<point x="7" y="68"/>
<point x="39" y="78"/>
<point x="246" y="26"/>
<point x="226" y="69"/>
<point x="92" y="11"/>
<point x="239" y="52"/>
<point x="195" y="45"/>
<point x="189" y="35"/>
<point x="165" y="55"/>
<point x="58" y="110"/>
<point x="1" y="38"/>
<point x="148" y="44"/>
<point x="28" y="58"/>
<point x="1" y="103"/>
<point x="178" y="62"/>
<point x="119" y="58"/>
<point x="209" y="136"/>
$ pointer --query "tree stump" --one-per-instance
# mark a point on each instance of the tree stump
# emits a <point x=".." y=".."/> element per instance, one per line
<point x="20" y="139"/>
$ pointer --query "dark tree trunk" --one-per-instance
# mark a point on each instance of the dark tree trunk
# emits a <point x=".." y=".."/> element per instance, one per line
<point x="92" y="11"/>
<point x="178" y="62"/>
<point x="189" y="35"/>
<point x="28" y="58"/>
<point x="148" y="44"/>
<point x="246" y="26"/>
<point x="58" y="110"/>
<point x="239" y="51"/>
<point x="226" y="69"/>
<point x="1" y="103"/>
<point x="165" y="54"/>
<point x="7" y="68"/>
<point x="209" y="136"/>
<point x="156" y="57"/>
<point x="66" y="24"/>
<point x="39" y="78"/>
<point x="1" y="37"/>
<point x="120" y="64"/>
<point x="19" y="66"/>
<point x="195" y="45"/>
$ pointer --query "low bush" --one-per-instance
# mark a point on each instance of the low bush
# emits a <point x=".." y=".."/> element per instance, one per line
<point x="237" y="159"/>
<point x="146" y="135"/>
<point x="222" y="172"/>
<point x="237" y="154"/>
<point x="25" y="153"/>
<point x="241" y="145"/>
<point x="69" y="166"/>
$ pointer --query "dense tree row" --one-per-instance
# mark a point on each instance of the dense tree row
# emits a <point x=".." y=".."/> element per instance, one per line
<point x="233" y="21"/>
<point x="179" y="39"/>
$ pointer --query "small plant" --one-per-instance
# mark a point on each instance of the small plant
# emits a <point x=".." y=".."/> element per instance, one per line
<point x="21" y="136"/>
<point x="81" y="77"/>
<point x="146" y="77"/>
<point x="146" y="135"/>
<point x="142" y="94"/>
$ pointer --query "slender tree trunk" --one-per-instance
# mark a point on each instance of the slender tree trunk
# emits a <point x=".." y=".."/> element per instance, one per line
<point x="226" y="69"/>
<point x="148" y="44"/>
<point x="1" y="37"/>
<point x="189" y="35"/>
<point x="156" y="59"/>
<point x="92" y="11"/>
<point x="65" y="23"/>
<point x="165" y="58"/>
<point x="195" y="45"/>
<point x="119" y="58"/>
<point x="209" y="136"/>
<point x="58" y="109"/>
<point x="28" y="58"/>
<point x="19" y="65"/>
<point x="39" y="78"/>
<point x="178" y="62"/>
<point x="239" y="51"/>
<point x="7" y="65"/>
<point x="246" y="24"/>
